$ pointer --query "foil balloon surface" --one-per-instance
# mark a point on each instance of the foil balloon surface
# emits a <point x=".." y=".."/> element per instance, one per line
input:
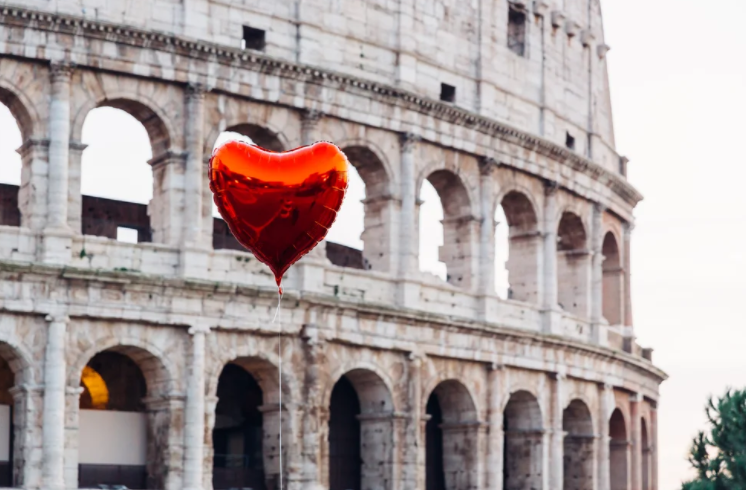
<point x="278" y="205"/>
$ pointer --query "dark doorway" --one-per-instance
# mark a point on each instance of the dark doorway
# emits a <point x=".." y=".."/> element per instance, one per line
<point x="237" y="435"/>
<point x="434" y="473"/>
<point x="344" y="438"/>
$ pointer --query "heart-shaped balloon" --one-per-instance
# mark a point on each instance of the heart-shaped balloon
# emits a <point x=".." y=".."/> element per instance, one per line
<point x="278" y="205"/>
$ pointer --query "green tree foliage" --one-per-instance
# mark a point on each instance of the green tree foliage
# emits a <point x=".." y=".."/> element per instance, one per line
<point x="720" y="457"/>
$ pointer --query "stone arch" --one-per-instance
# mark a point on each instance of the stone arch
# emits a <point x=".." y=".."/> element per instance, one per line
<point x="619" y="447"/>
<point x="613" y="280"/>
<point x="20" y="107"/>
<point x="25" y="206"/>
<point x="451" y="438"/>
<point x="360" y="449"/>
<point x="379" y="233"/>
<point x="460" y="227"/>
<point x="573" y="265"/>
<point x="577" y="423"/>
<point x="524" y="245"/>
<point x="647" y="453"/>
<point x="261" y="133"/>
<point x="96" y="216"/>
<point x="523" y="436"/>
<point x="154" y="419"/>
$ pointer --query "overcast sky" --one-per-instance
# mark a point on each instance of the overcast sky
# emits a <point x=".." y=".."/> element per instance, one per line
<point x="678" y="76"/>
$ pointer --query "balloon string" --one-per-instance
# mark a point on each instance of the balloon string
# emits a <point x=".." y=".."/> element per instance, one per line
<point x="279" y="362"/>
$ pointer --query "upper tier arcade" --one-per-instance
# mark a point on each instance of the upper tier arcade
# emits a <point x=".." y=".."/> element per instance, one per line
<point x="539" y="66"/>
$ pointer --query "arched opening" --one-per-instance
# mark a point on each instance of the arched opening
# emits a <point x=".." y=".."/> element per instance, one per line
<point x="522" y="450"/>
<point x="237" y="435"/>
<point x="612" y="281"/>
<point x="578" y="451"/>
<point x="448" y="247"/>
<point x="519" y="231"/>
<point x="573" y="266"/>
<point x="245" y="431"/>
<point x="618" y="451"/>
<point x="646" y="455"/>
<point x="118" y="178"/>
<point x="361" y="427"/>
<point x="344" y="438"/>
<point x="10" y="167"/>
<point x="222" y="238"/>
<point x="113" y="424"/>
<point x="435" y="478"/>
<point x="451" y="438"/>
<point x="365" y="221"/>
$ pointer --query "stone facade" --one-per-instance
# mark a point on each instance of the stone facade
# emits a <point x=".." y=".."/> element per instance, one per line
<point x="547" y="389"/>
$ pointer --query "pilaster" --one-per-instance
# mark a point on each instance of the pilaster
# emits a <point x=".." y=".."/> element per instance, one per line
<point x="495" y="436"/>
<point x="551" y="314"/>
<point x="312" y="423"/>
<point x="53" y="416"/>
<point x="556" y="455"/>
<point x="598" y="324"/>
<point x="194" y="138"/>
<point x="194" y="416"/>
<point x="606" y="399"/>
<point x="486" y="285"/>
<point x="636" y="448"/>
<point x="57" y="236"/>
<point x="408" y="294"/>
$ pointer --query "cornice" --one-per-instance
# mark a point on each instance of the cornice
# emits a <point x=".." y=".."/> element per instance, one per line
<point x="77" y="26"/>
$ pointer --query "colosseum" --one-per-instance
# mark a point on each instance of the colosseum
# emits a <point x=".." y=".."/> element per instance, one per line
<point x="155" y="364"/>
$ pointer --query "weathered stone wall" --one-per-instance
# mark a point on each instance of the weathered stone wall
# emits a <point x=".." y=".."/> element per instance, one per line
<point x="364" y="75"/>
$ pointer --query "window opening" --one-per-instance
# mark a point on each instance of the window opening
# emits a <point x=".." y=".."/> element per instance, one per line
<point x="517" y="30"/>
<point x="447" y="93"/>
<point x="253" y="38"/>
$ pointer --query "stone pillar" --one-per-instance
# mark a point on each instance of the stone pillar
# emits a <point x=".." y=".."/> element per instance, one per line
<point x="636" y="448"/>
<point x="194" y="140"/>
<point x="408" y="253"/>
<point x="597" y="276"/>
<point x="627" y="314"/>
<point x="551" y="312"/>
<point x="414" y="443"/>
<point x="32" y="194"/>
<point x="311" y="424"/>
<point x="27" y="461"/>
<point x="53" y="416"/>
<point x="57" y="233"/>
<point x="606" y="405"/>
<point x="558" y="434"/>
<point x="75" y="197"/>
<point x="194" y="416"/>
<point x="487" y="230"/>
<point x="495" y="436"/>
<point x="59" y="146"/>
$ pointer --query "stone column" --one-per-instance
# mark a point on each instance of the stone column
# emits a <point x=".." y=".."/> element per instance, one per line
<point x="53" y="416"/>
<point x="59" y="146"/>
<point x="311" y="423"/>
<point x="194" y="416"/>
<point x="636" y="448"/>
<point x="495" y="436"/>
<point x="487" y="167"/>
<point x="415" y="441"/>
<point x="597" y="275"/>
<point x="194" y="141"/>
<point x="408" y="294"/>
<point x="75" y="199"/>
<point x="408" y="223"/>
<point x="627" y="314"/>
<point x="32" y="194"/>
<point x="57" y="235"/>
<point x="551" y="310"/>
<point x="606" y="396"/>
<point x="558" y="433"/>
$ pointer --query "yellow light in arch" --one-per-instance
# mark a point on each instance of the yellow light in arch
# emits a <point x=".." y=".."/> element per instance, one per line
<point x="96" y="387"/>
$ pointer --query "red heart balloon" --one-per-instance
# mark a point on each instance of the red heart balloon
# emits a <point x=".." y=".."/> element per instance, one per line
<point x="278" y="205"/>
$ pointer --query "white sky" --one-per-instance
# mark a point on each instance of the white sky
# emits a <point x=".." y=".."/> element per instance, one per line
<point x="678" y="76"/>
